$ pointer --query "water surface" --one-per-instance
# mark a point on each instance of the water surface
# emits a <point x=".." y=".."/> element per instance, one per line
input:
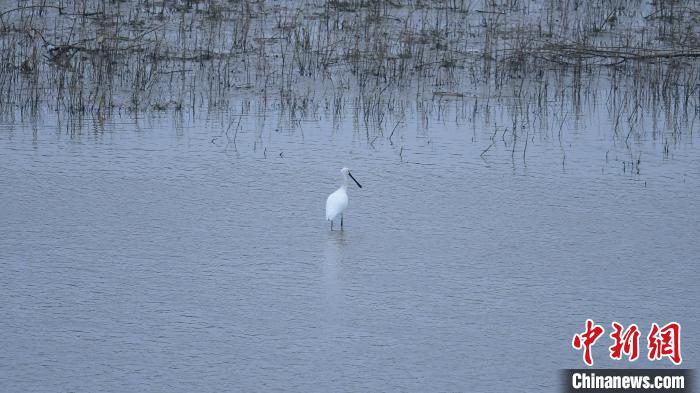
<point x="153" y="254"/>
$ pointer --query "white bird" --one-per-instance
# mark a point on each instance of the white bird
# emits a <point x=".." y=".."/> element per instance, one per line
<point x="338" y="201"/>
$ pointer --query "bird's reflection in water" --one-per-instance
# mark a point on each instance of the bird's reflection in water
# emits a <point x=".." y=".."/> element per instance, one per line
<point x="333" y="306"/>
<point x="332" y="276"/>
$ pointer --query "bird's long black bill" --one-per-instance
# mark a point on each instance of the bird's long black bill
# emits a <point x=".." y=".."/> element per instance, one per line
<point x="355" y="180"/>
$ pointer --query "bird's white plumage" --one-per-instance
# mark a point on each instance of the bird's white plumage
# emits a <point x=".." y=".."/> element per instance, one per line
<point x="336" y="203"/>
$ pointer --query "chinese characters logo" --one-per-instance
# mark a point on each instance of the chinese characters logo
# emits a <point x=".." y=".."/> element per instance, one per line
<point x="662" y="341"/>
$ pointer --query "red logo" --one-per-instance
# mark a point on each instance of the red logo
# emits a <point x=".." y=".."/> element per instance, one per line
<point x="665" y="342"/>
<point x="627" y="343"/>
<point x="586" y="340"/>
<point x="662" y="342"/>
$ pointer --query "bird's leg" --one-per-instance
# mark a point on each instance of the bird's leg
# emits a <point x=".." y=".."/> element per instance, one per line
<point x="341" y="220"/>
<point x="331" y="225"/>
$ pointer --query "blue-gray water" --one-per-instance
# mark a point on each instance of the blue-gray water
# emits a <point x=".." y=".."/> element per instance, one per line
<point x="150" y="255"/>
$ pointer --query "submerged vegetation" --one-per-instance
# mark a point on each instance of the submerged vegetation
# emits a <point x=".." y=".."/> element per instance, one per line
<point x="547" y="62"/>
